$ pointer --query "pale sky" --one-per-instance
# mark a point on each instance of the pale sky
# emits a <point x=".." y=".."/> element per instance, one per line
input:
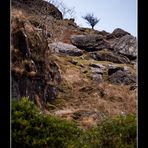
<point x="112" y="13"/>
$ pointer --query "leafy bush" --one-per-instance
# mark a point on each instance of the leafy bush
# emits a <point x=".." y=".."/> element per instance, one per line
<point x="31" y="128"/>
<point x="118" y="132"/>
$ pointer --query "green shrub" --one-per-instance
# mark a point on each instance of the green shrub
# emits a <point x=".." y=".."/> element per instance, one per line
<point x="118" y="132"/>
<point x="30" y="128"/>
<point x="33" y="129"/>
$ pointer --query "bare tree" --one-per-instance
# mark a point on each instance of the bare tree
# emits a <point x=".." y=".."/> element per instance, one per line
<point x="66" y="12"/>
<point x="91" y="20"/>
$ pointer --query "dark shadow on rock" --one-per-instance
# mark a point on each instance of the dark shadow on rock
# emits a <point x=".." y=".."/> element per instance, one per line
<point x="20" y="41"/>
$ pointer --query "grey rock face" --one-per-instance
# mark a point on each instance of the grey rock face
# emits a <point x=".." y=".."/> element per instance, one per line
<point x="119" y="75"/>
<point x="63" y="48"/>
<point x="117" y="33"/>
<point x="89" y="42"/>
<point x="126" y="45"/>
<point x="109" y="56"/>
<point x="96" y="73"/>
<point x="40" y="84"/>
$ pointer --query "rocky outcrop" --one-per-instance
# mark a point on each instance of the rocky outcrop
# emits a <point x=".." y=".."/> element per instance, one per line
<point x="114" y="74"/>
<point x="39" y="6"/>
<point x="33" y="74"/>
<point x="121" y="75"/>
<point x="127" y="46"/>
<point x="66" y="49"/>
<point x="117" y="33"/>
<point x="109" y="56"/>
<point x="36" y="81"/>
<point x="89" y="42"/>
<point x="123" y="43"/>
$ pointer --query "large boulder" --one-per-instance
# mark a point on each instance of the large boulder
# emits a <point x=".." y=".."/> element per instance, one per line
<point x="123" y="42"/>
<point x="117" y="33"/>
<point x="89" y="42"/>
<point x="66" y="49"/>
<point x="121" y="75"/>
<point x="127" y="46"/>
<point x="109" y="56"/>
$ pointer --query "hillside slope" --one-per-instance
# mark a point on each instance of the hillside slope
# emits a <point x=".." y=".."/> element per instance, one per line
<point x="68" y="71"/>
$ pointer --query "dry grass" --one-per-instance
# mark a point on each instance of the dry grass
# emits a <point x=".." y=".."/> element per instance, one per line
<point x="115" y="100"/>
<point x="81" y="93"/>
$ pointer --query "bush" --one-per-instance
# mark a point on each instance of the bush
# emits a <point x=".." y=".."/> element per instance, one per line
<point x="30" y="128"/>
<point x="33" y="129"/>
<point x="118" y="132"/>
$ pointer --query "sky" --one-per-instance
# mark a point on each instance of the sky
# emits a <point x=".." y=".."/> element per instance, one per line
<point x="112" y="13"/>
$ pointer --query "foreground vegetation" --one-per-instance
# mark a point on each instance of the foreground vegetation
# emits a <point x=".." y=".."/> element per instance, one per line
<point x="33" y="129"/>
